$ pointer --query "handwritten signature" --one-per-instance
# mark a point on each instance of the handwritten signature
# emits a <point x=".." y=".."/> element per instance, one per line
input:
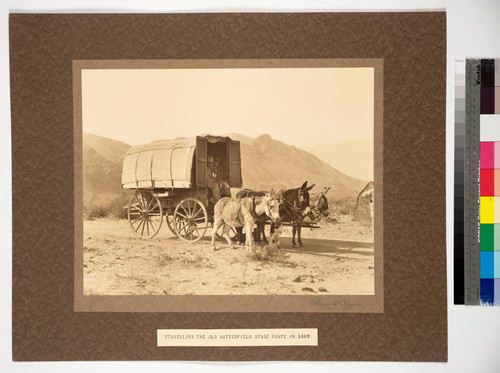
<point x="344" y="304"/>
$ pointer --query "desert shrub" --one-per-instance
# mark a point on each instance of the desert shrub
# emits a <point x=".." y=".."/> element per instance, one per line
<point x="339" y="208"/>
<point x="347" y="207"/>
<point x="102" y="206"/>
<point x="94" y="212"/>
<point x="344" y="206"/>
<point x="165" y="259"/>
<point x="116" y="207"/>
<point x="272" y="253"/>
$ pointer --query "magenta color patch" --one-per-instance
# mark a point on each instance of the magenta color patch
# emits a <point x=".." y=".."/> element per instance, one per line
<point x="497" y="155"/>
<point x="487" y="155"/>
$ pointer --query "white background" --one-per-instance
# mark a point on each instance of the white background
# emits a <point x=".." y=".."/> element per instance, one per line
<point x="474" y="332"/>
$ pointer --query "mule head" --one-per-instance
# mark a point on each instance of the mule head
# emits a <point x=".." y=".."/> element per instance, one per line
<point x="303" y="196"/>
<point x="272" y="207"/>
<point x="321" y="206"/>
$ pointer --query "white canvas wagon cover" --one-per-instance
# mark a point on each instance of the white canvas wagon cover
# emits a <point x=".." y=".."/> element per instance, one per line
<point x="179" y="163"/>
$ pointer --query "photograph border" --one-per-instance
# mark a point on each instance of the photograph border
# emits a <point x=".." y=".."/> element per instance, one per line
<point x="413" y="45"/>
<point x="230" y="303"/>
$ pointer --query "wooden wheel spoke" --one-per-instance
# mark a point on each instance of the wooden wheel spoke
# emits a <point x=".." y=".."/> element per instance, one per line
<point x="139" y="225"/>
<point x="153" y="225"/>
<point x="145" y="201"/>
<point x="145" y="214"/>
<point x="135" y="220"/>
<point x="184" y="228"/>
<point x="152" y="208"/>
<point x="142" y="202"/>
<point x="138" y="203"/>
<point x="149" y="204"/>
<point x="190" y="217"/>
<point x="195" y="215"/>
<point x="184" y="216"/>
<point x="196" y="230"/>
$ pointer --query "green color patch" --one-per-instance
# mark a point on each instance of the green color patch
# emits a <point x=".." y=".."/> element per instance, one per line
<point x="487" y="237"/>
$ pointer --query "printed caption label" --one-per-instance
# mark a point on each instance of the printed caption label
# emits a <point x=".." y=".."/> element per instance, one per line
<point x="237" y="337"/>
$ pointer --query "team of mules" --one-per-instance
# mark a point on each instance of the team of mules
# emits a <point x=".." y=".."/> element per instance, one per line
<point x="251" y="207"/>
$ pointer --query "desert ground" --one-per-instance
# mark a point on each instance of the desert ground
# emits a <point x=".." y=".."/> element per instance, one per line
<point x="337" y="259"/>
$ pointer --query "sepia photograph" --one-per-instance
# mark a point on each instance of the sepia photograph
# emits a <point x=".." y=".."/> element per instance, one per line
<point x="228" y="180"/>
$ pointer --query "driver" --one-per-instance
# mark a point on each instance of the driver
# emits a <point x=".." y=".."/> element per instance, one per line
<point x="218" y="186"/>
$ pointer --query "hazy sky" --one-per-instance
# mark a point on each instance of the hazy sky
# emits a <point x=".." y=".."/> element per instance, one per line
<point x="304" y="107"/>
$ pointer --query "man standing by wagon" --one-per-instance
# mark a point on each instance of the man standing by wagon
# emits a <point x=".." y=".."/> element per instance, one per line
<point x="218" y="186"/>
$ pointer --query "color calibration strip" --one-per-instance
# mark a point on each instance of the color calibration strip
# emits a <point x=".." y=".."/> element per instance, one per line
<point x="477" y="182"/>
<point x="490" y="183"/>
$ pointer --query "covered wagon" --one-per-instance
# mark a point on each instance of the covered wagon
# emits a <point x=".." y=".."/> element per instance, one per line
<point x="171" y="179"/>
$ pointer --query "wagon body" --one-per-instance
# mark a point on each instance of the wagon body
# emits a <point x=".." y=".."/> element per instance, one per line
<point x="180" y="163"/>
<point x="170" y="178"/>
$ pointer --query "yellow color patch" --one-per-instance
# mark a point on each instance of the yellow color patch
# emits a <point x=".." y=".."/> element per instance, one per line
<point x="487" y="210"/>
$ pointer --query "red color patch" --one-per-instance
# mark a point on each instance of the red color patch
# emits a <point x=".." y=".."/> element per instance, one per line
<point x="487" y="183"/>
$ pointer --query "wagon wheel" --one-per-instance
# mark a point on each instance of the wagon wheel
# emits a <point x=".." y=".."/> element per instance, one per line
<point x="145" y="214"/>
<point x="191" y="220"/>
<point x="170" y="223"/>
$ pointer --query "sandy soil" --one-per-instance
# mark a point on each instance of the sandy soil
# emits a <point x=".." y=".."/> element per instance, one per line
<point x="336" y="259"/>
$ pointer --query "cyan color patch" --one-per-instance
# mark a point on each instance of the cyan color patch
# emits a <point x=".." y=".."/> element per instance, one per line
<point x="496" y="265"/>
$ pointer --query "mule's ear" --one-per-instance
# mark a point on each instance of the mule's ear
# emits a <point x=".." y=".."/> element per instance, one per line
<point x="304" y="185"/>
<point x="326" y="190"/>
<point x="309" y="188"/>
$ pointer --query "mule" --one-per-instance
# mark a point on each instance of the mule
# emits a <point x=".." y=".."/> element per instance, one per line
<point x="295" y="206"/>
<point x="260" y="223"/>
<point x="233" y="212"/>
<point x="319" y="205"/>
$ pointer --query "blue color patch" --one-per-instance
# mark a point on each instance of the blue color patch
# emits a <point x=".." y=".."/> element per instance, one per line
<point x="487" y="291"/>
<point x="487" y="264"/>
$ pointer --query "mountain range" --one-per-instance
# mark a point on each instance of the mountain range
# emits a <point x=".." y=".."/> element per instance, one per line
<point x="267" y="164"/>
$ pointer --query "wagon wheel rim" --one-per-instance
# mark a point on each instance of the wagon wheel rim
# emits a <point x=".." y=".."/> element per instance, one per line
<point x="170" y="223"/>
<point x="145" y="214"/>
<point x="190" y="220"/>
